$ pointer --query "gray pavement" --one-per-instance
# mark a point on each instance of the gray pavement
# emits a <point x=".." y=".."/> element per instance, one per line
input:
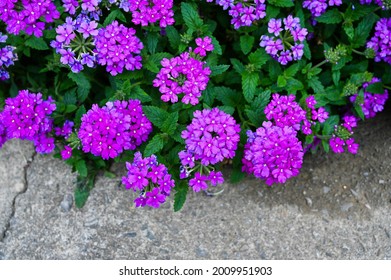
<point x="339" y="207"/>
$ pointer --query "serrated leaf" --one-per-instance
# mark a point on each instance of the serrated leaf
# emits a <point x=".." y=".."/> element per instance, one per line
<point x="281" y="81"/>
<point x="83" y="84"/>
<point x="170" y="124"/>
<point x="216" y="46"/>
<point x="81" y="168"/>
<point x="79" y="113"/>
<point x="138" y="93"/>
<point x="332" y="16"/>
<point x="236" y="176"/>
<point x="173" y="37"/>
<point x="154" y="145"/>
<point x="152" y="41"/>
<point x="375" y="88"/>
<point x="363" y="30"/>
<point x="218" y="69"/>
<point x="249" y="85"/>
<point x="293" y="85"/>
<point x="156" y="115"/>
<point x="292" y="70"/>
<point x="36" y="43"/>
<point x="258" y="58"/>
<point x="329" y="124"/>
<point x="81" y="196"/>
<point x="316" y="85"/>
<point x="114" y="14"/>
<point x="246" y="43"/>
<point x="281" y="3"/>
<point x="227" y="96"/>
<point x="227" y="109"/>
<point x="180" y="196"/>
<point x="190" y="16"/>
<point x="238" y="66"/>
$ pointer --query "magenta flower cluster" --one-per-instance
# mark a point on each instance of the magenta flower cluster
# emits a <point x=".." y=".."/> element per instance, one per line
<point x="381" y="41"/>
<point x="88" y="8"/>
<point x="7" y="57"/>
<point x="118" y="47"/>
<point x="284" y="43"/>
<point x="64" y="131"/>
<point x="185" y="75"/>
<point x="150" y="178"/>
<point x="373" y="103"/>
<point x="367" y="2"/>
<point x="147" y="12"/>
<point x="243" y="13"/>
<point x="118" y="126"/>
<point x="202" y="181"/>
<point x="339" y="142"/>
<point x="320" y="115"/>
<point x="273" y="153"/>
<point x="212" y="136"/>
<point x="318" y="7"/>
<point x="28" y="117"/>
<point x="75" y="43"/>
<point x="29" y="16"/>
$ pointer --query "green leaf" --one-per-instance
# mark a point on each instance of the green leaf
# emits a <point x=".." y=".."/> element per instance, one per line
<point x="81" y="196"/>
<point x="336" y="75"/>
<point x="249" y="84"/>
<point x="156" y="115"/>
<point x="326" y="146"/>
<point x="349" y="30"/>
<point x="281" y="3"/>
<point x="293" y="85"/>
<point x="190" y="16"/>
<point x="292" y="70"/>
<point x="180" y="196"/>
<point x="81" y="168"/>
<point x="114" y="14"/>
<point x="258" y="58"/>
<point x="138" y="93"/>
<point x="36" y="43"/>
<point x="363" y="30"/>
<point x="83" y="84"/>
<point x="375" y="88"/>
<point x="152" y="41"/>
<point x="79" y="113"/>
<point x="316" y="85"/>
<point x="170" y="124"/>
<point x="238" y="66"/>
<point x="281" y="81"/>
<point x="154" y="145"/>
<point x="216" y="46"/>
<point x="218" y="69"/>
<point x="331" y="16"/>
<point x="329" y="124"/>
<point x="70" y="108"/>
<point x="227" y="96"/>
<point x="246" y="43"/>
<point x="227" y="109"/>
<point x="236" y="176"/>
<point x="173" y="37"/>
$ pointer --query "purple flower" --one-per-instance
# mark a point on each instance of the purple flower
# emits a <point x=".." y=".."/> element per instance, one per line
<point x="198" y="182"/>
<point x="117" y="47"/>
<point x="116" y="127"/>
<point x="7" y="57"/>
<point x="64" y="131"/>
<point x="336" y="145"/>
<point x="318" y="7"/>
<point x="381" y="42"/>
<point x="284" y="44"/>
<point x="274" y="155"/>
<point x="215" y="178"/>
<point x="66" y="153"/>
<point x="28" y="117"/>
<point x="203" y="45"/>
<point x="150" y="178"/>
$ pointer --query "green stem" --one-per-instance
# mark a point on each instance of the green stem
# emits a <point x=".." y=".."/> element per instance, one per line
<point x="357" y="52"/>
<point x="319" y="64"/>
<point x="324" y="137"/>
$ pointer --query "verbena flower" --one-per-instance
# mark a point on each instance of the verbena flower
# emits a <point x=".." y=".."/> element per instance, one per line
<point x="381" y="42"/>
<point x="117" y="47"/>
<point x="64" y="131"/>
<point x="185" y="75"/>
<point x="273" y="153"/>
<point x="212" y="136"/>
<point x="29" y="16"/>
<point x="373" y="103"/>
<point x="118" y="126"/>
<point x="75" y="43"/>
<point x="367" y="2"/>
<point x="86" y="8"/>
<point x="66" y="153"/>
<point x="28" y="117"/>
<point x="285" y="41"/>
<point x="150" y="178"/>
<point x="243" y="13"/>
<point x="342" y="137"/>
<point x="318" y="7"/>
<point x="7" y="57"/>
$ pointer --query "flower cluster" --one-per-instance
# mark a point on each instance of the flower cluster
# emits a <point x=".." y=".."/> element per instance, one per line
<point x="149" y="11"/>
<point x="150" y="178"/>
<point x="117" y="47"/>
<point x="381" y="41"/>
<point x="273" y="153"/>
<point x="88" y="8"/>
<point x="376" y="2"/>
<point x="75" y="43"/>
<point x="244" y="12"/>
<point x="202" y="181"/>
<point x="66" y="153"/>
<point x="320" y="114"/>
<point x="116" y="127"/>
<point x="27" y="117"/>
<point x="7" y="57"/>
<point x="27" y="15"/>
<point x="343" y="136"/>
<point x="184" y="74"/>
<point x="64" y="131"/>
<point x="212" y="136"/>
<point x="318" y="7"/>
<point x="284" y="44"/>
<point x="373" y="103"/>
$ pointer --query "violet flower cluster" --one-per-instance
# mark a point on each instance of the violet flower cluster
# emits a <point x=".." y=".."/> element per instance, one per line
<point x="75" y="43"/>
<point x="373" y="103"/>
<point x="118" y="126"/>
<point x="29" y="16"/>
<point x="118" y="47"/>
<point x="150" y="178"/>
<point x="319" y="7"/>
<point x="381" y="41"/>
<point x="87" y="8"/>
<point x="243" y="12"/>
<point x="28" y="117"/>
<point x="285" y="41"/>
<point x="342" y="137"/>
<point x="368" y="2"/>
<point x="147" y="12"/>
<point x="185" y="75"/>
<point x="273" y="153"/>
<point x="64" y="131"/>
<point x="7" y="57"/>
<point x="320" y="114"/>
<point x="212" y="136"/>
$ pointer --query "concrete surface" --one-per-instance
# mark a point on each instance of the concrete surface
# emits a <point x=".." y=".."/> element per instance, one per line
<point x="339" y="207"/>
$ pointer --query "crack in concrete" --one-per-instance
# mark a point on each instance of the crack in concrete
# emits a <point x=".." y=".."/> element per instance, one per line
<point x="25" y="187"/>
